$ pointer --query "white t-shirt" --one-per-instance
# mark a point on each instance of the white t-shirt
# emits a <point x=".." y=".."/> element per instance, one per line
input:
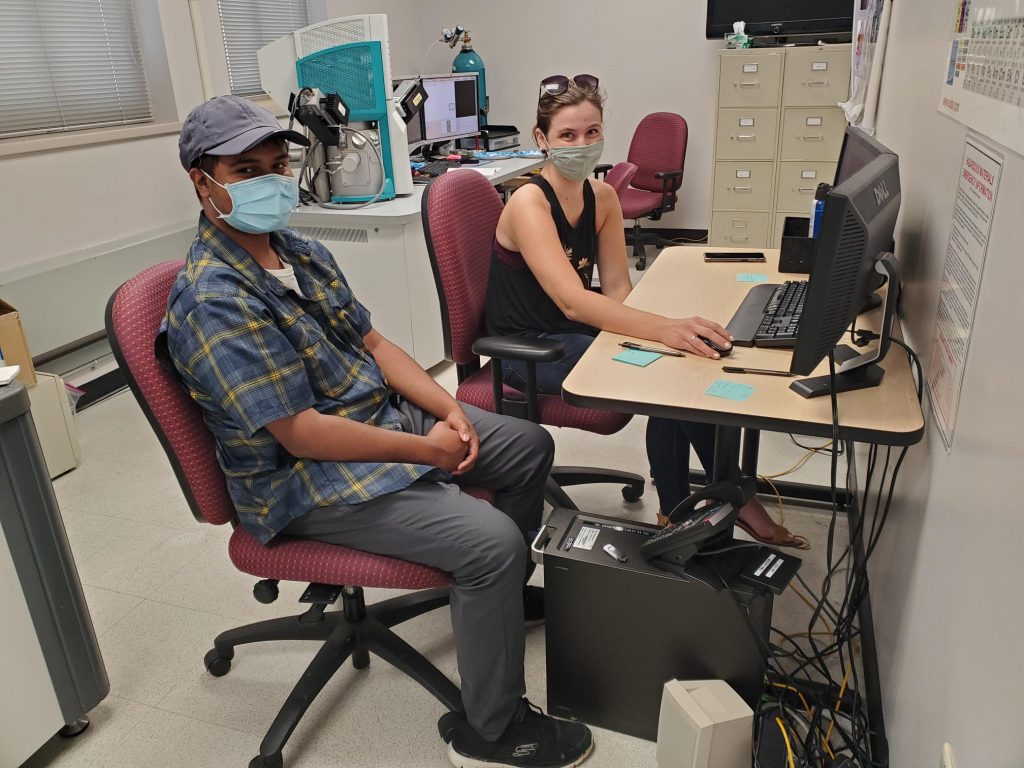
<point x="287" y="277"/>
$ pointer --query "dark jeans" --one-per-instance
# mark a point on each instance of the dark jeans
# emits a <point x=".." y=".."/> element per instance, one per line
<point x="668" y="440"/>
<point x="549" y="375"/>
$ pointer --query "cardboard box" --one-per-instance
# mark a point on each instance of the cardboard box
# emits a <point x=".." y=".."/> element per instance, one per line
<point x="55" y="424"/>
<point x="13" y="344"/>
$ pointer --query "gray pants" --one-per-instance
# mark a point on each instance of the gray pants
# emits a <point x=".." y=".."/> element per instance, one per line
<point x="483" y="548"/>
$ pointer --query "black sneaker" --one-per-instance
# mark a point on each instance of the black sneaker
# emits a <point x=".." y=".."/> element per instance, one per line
<point x="531" y="740"/>
<point x="533" y="605"/>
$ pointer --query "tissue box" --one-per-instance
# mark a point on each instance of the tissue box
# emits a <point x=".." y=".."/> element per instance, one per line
<point x="797" y="251"/>
<point x="13" y="344"/>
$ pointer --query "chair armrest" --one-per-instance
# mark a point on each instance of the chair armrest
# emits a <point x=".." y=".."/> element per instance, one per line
<point x="520" y="348"/>
<point x="668" y="194"/>
<point x="600" y="171"/>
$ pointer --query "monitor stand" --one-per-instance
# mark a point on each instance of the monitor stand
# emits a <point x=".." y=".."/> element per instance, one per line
<point x="855" y="370"/>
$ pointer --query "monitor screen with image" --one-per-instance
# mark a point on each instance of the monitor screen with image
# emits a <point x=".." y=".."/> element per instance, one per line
<point x="450" y="111"/>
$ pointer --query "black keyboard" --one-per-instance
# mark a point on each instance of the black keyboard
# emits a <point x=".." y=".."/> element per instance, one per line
<point x="769" y="315"/>
<point x="437" y="167"/>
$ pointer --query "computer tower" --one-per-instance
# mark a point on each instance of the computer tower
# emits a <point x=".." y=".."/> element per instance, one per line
<point x="616" y="632"/>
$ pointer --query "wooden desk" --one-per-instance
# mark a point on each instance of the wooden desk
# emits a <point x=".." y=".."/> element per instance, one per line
<point x="681" y="284"/>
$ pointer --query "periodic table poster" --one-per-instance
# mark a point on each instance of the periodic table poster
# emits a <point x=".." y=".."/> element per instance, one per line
<point x="984" y="82"/>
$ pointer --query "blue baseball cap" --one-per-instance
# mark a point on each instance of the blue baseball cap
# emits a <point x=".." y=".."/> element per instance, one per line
<point x="228" y="125"/>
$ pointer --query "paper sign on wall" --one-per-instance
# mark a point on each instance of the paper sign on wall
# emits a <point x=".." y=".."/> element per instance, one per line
<point x="973" y="209"/>
<point x="984" y="77"/>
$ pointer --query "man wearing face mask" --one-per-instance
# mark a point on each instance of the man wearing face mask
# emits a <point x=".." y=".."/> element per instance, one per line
<point x="326" y="430"/>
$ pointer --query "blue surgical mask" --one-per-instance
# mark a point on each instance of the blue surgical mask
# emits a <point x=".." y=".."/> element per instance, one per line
<point x="260" y="205"/>
<point x="576" y="162"/>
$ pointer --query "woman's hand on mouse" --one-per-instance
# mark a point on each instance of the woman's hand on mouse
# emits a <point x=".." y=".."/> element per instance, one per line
<point x="685" y="334"/>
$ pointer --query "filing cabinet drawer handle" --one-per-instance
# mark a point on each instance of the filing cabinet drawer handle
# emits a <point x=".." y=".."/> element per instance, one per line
<point x="738" y="239"/>
<point x="744" y="188"/>
<point x="812" y="137"/>
<point x="746" y="137"/>
<point x="739" y="224"/>
<point x="749" y="84"/>
<point x="813" y="83"/>
<point x="806" y="190"/>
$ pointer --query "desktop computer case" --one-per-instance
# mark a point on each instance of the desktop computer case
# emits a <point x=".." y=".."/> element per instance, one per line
<point x="617" y="632"/>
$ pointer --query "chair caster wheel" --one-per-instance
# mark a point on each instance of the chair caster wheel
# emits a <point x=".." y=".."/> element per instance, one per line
<point x="216" y="663"/>
<point x="631" y="494"/>
<point x="266" y="762"/>
<point x="265" y="591"/>
<point x="641" y="265"/>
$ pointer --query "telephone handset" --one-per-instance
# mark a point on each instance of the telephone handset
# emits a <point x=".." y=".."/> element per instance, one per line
<point x="690" y="527"/>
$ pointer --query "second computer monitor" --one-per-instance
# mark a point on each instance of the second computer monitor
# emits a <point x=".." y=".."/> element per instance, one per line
<point x="856" y="231"/>
<point x="450" y="111"/>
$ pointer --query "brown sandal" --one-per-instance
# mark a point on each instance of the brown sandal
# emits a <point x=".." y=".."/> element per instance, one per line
<point x="777" y="539"/>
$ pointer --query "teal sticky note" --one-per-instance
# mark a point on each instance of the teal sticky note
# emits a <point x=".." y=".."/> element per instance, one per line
<point x="636" y="357"/>
<point x="752" y="277"/>
<point x="729" y="390"/>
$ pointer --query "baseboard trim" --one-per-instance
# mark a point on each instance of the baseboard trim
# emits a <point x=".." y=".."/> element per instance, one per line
<point x="101" y="388"/>
<point x="685" y="236"/>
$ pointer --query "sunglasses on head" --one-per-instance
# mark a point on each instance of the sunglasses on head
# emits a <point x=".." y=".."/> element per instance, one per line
<point x="556" y="84"/>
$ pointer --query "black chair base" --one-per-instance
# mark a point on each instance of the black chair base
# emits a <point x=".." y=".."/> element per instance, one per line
<point x="562" y="477"/>
<point x="354" y="632"/>
<point x="639" y="238"/>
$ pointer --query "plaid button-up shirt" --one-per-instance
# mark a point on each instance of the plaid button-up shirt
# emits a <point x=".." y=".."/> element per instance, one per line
<point x="250" y="351"/>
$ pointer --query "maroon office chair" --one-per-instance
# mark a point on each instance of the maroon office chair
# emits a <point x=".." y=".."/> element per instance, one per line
<point x="133" y="316"/>
<point x="460" y="215"/>
<point x="658" y="150"/>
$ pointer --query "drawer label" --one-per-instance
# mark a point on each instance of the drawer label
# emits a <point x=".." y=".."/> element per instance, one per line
<point x="586" y="538"/>
<point x="814" y="121"/>
<point x="808" y="174"/>
<point x="746" y="122"/>
<point x="749" y="68"/>
<point x="742" y="174"/>
<point x="819" y="66"/>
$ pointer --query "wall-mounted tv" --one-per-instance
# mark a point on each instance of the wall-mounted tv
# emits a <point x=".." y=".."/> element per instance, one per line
<point x="781" y="18"/>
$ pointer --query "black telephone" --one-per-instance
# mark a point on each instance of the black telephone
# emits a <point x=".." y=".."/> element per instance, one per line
<point x="690" y="527"/>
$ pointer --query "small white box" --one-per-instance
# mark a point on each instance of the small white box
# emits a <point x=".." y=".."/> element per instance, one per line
<point x="703" y="724"/>
<point x="55" y="424"/>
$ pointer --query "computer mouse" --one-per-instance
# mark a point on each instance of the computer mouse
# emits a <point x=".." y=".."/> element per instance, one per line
<point x="722" y="351"/>
<point x="467" y="160"/>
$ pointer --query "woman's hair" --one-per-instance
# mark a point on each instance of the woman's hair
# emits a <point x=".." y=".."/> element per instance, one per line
<point x="548" y="106"/>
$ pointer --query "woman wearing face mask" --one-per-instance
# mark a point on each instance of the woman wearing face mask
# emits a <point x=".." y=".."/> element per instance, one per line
<point x="550" y="235"/>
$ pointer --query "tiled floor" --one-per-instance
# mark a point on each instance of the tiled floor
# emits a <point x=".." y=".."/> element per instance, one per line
<point x="160" y="587"/>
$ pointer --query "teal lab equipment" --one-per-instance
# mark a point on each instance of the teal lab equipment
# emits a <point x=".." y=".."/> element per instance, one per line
<point x="468" y="60"/>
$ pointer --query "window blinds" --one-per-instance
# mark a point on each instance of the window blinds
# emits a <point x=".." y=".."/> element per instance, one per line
<point x="67" y="64"/>
<point x="247" y="26"/>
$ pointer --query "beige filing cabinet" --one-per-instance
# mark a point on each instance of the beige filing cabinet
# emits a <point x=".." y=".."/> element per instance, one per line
<point x="778" y="134"/>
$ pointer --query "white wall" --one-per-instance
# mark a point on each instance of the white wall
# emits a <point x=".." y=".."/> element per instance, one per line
<point x="650" y="56"/>
<point x="945" y="584"/>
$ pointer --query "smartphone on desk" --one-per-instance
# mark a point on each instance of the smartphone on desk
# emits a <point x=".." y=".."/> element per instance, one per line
<point x="732" y="257"/>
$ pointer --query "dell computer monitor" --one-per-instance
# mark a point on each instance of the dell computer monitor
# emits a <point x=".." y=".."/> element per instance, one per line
<point x="854" y="243"/>
<point x="450" y="111"/>
<point x="859" y="149"/>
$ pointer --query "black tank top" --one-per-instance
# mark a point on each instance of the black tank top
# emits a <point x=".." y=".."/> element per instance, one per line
<point x="516" y="303"/>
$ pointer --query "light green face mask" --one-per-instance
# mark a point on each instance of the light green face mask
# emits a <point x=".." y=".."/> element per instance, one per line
<point x="576" y="162"/>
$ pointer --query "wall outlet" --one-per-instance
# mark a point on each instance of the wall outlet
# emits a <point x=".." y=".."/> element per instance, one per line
<point x="947" y="757"/>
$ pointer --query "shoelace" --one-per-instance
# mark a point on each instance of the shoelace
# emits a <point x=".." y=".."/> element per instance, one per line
<point x="524" y="707"/>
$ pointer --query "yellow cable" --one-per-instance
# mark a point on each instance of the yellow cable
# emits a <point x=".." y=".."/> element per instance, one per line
<point x="839" y="699"/>
<point x="789" y="749"/>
